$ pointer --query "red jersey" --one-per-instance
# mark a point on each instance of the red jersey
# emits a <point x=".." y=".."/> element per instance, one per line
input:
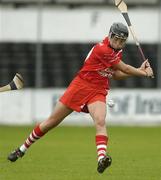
<point x="97" y="68"/>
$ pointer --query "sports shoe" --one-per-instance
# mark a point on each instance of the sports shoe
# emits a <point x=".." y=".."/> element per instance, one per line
<point x="104" y="163"/>
<point x="15" y="155"/>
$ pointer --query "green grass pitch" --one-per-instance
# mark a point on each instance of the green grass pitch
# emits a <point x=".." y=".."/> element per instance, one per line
<point x="69" y="153"/>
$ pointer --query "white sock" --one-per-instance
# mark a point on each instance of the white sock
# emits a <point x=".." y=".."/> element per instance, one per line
<point x="23" y="148"/>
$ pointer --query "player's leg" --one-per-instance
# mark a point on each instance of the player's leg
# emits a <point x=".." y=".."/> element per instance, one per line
<point x="59" y="113"/>
<point x="97" y="111"/>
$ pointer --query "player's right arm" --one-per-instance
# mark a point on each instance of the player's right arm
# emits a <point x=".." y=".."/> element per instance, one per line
<point x="129" y="70"/>
<point x="118" y="75"/>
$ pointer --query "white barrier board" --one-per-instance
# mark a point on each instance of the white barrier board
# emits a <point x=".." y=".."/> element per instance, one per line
<point x="132" y="107"/>
<point x="76" y="25"/>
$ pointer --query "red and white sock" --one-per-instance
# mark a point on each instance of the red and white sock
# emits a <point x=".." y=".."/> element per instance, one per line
<point x="34" y="136"/>
<point x="101" y="143"/>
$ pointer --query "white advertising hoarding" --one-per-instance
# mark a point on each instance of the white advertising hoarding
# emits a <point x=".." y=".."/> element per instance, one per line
<point x="132" y="107"/>
<point x="15" y="107"/>
<point x="74" y="25"/>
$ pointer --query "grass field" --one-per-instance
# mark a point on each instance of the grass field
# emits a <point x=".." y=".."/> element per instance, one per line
<point x="69" y="153"/>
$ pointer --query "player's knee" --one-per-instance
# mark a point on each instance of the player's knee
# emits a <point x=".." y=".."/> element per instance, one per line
<point x="100" y="121"/>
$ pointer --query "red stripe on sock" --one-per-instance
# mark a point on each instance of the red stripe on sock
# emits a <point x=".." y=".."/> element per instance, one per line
<point x="101" y="155"/>
<point x="34" y="136"/>
<point x="101" y="139"/>
<point x="38" y="131"/>
<point x="101" y="143"/>
<point x="30" y="140"/>
<point x="26" y="145"/>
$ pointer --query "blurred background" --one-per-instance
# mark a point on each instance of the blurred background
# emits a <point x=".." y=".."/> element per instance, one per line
<point x="47" y="41"/>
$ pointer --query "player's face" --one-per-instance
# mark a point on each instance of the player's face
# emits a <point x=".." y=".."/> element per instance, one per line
<point x="117" y="42"/>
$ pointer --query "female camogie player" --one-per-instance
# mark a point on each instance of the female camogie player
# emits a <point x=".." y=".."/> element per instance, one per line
<point x="87" y="92"/>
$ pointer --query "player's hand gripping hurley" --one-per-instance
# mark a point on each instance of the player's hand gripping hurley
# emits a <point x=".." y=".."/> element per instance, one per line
<point x="16" y="83"/>
<point x="121" y="5"/>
